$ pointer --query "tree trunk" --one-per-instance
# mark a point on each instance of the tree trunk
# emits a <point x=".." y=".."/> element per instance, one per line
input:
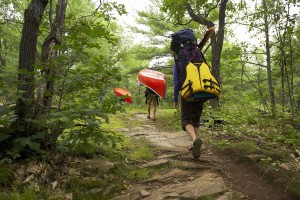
<point x="2" y="55"/>
<point x="217" y="47"/>
<point x="282" y="66"/>
<point x="26" y="79"/>
<point x="290" y="82"/>
<point x="48" y="56"/>
<point x="216" y="39"/>
<point x="268" y="54"/>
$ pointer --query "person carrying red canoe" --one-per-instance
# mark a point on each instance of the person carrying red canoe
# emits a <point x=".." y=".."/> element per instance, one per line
<point x="151" y="98"/>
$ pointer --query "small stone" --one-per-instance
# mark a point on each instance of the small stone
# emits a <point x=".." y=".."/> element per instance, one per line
<point x="297" y="152"/>
<point x="94" y="190"/>
<point x="284" y="166"/>
<point x="144" y="193"/>
<point x="291" y="158"/>
<point x="292" y="155"/>
<point x="176" y="181"/>
<point x="173" y="195"/>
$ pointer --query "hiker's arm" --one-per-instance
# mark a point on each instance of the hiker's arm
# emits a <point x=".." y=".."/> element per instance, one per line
<point x="176" y="80"/>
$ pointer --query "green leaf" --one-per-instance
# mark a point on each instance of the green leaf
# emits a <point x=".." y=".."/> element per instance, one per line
<point x="4" y="136"/>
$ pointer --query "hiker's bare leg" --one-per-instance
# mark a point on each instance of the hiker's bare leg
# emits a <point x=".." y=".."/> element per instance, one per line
<point x="191" y="131"/>
<point x="196" y="131"/>
<point x="154" y="109"/>
<point x="149" y="108"/>
<point x="196" y="145"/>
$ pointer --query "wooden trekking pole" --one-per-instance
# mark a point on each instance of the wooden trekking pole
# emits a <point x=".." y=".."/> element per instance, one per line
<point x="205" y="37"/>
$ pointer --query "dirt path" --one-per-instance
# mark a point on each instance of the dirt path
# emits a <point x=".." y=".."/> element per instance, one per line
<point x="210" y="177"/>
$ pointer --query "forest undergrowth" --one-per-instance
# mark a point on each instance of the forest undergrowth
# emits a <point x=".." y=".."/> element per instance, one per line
<point x="270" y="145"/>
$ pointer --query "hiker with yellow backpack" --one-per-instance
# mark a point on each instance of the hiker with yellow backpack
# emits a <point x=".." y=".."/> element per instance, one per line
<point x="192" y="76"/>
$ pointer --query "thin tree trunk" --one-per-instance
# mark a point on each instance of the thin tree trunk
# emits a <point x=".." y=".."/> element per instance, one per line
<point x="289" y="82"/>
<point x="291" y="91"/>
<point x="268" y="54"/>
<point x="282" y="85"/>
<point x="282" y="66"/>
<point x="285" y="74"/>
<point x="2" y="55"/>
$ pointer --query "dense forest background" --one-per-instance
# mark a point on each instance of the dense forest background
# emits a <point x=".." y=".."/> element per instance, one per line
<point x="60" y="61"/>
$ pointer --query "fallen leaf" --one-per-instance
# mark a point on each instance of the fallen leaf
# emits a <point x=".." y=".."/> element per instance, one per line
<point x="54" y="184"/>
<point x="29" y="178"/>
<point x="69" y="196"/>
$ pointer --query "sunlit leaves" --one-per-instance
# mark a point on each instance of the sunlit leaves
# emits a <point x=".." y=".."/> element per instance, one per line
<point x="109" y="8"/>
<point x="175" y="9"/>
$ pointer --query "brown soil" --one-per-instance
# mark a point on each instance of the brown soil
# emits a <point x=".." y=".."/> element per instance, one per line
<point x="248" y="182"/>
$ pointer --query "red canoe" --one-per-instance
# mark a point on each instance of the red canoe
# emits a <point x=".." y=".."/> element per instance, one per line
<point x="155" y="80"/>
<point x="123" y="94"/>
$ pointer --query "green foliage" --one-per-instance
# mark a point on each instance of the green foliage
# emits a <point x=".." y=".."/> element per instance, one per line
<point x="245" y="147"/>
<point x="256" y="133"/>
<point x="138" y="174"/>
<point x="82" y="128"/>
<point x="177" y="12"/>
<point x="143" y="153"/>
<point x="28" y="194"/>
<point x="169" y="119"/>
<point x="120" y="120"/>
<point x="6" y="176"/>
<point x="174" y="9"/>
<point x="83" y="95"/>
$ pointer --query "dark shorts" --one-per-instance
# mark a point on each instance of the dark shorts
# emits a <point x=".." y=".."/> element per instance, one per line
<point x="190" y="113"/>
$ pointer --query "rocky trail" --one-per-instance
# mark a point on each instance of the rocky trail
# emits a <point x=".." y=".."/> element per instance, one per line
<point x="210" y="177"/>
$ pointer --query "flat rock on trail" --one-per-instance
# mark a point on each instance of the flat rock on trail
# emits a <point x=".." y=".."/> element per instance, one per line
<point x="187" y="178"/>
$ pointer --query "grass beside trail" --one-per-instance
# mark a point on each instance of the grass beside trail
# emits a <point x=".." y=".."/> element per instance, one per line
<point x="268" y="143"/>
<point x="168" y="119"/>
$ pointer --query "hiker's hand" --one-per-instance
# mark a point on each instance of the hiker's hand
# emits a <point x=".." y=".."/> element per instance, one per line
<point x="176" y="105"/>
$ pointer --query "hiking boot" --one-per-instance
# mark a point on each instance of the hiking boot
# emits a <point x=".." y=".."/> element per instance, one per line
<point x="197" y="148"/>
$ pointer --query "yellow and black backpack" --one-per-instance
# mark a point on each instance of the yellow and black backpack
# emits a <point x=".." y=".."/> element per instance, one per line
<point x="197" y="82"/>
